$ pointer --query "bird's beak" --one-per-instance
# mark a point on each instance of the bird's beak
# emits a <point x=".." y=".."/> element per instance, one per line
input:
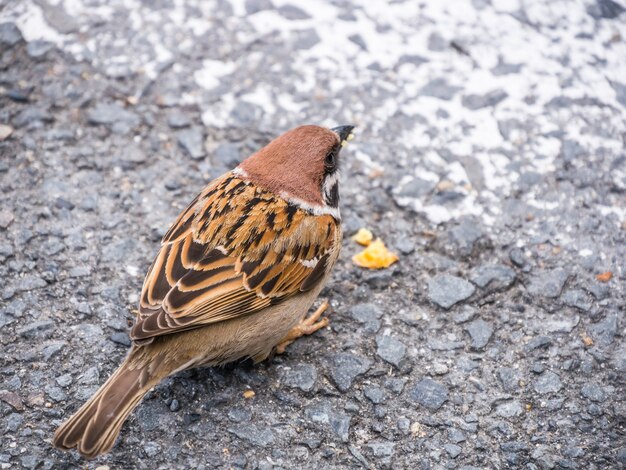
<point x="345" y="134"/>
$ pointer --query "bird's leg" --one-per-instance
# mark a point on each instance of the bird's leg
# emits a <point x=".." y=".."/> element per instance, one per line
<point x="307" y="326"/>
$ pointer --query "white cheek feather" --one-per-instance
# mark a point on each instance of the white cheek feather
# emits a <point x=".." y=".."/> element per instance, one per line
<point x="314" y="209"/>
<point x="240" y="172"/>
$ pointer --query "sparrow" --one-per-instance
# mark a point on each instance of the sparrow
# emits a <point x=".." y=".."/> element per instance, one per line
<point x="234" y="278"/>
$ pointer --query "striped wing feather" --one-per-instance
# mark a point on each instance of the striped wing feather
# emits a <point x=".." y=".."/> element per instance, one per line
<point x="235" y="250"/>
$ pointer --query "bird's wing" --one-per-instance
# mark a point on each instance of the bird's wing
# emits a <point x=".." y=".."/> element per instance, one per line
<point x="235" y="250"/>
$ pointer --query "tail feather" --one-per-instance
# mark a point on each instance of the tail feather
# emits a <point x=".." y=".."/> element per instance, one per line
<point x="96" y="425"/>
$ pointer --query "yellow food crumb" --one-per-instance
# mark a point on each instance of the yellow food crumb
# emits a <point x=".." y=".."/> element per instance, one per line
<point x="249" y="394"/>
<point x="587" y="340"/>
<point x="363" y="237"/>
<point x="605" y="277"/>
<point x="375" y="256"/>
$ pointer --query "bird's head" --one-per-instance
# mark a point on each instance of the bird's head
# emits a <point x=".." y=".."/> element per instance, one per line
<point x="302" y="166"/>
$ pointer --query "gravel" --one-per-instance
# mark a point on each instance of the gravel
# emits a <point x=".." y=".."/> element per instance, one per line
<point x="497" y="177"/>
<point x="547" y="382"/>
<point x="548" y="284"/>
<point x="496" y="276"/>
<point x="346" y="367"/>
<point x="446" y="291"/>
<point x="390" y="349"/>
<point x="192" y="141"/>
<point x="302" y="376"/>
<point x="430" y="393"/>
<point x="480" y="332"/>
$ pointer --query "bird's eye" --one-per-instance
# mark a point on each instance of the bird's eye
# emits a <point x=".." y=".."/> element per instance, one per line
<point x="330" y="163"/>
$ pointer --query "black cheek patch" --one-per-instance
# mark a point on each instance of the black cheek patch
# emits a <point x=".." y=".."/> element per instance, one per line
<point x="332" y="196"/>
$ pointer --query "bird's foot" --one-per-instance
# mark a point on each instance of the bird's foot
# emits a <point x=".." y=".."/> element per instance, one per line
<point x="307" y="326"/>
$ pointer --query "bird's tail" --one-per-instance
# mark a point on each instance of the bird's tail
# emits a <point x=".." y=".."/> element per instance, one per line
<point x="92" y="430"/>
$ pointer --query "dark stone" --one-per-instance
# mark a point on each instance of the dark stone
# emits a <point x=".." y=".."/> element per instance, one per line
<point x="620" y="91"/>
<point x="192" y="141"/>
<point x="603" y="332"/>
<point x="367" y="314"/>
<point x="245" y="113"/>
<point x="439" y="88"/>
<point x="490" y="99"/>
<point x="572" y="151"/>
<point x="302" y="376"/>
<point x="548" y="283"/>
<point x="38" y="49"/>
<point x="436" y="42"/>
<point x="346" y="367"/>
<point x="6" y="217"/>
<point x="517" y="257"/>
<point x="405" y="245"/>
<point x="305" y="39"/>
<point x="254" y="6"/>
<point x="10" y="34"/>
<point x="176" y="119"/>
<point x="375" y="394"/>
<point x="509" y="409"/>
<point x="32" y="116"/>
<point x="537" y="342"/>
<point x="30" y="461"/>
<point x="480" y="331"/>
<point x="55" y="394"/>
<point x="253" y="434"/>
<point x="292" y="12"/>
<point x="504" y="68"/>
<point x="379" y="279"/>
<point x="429" y="393"/>
<point x="446" y="291"/>
<point x="463" y="237"/>
<point x="390" y="349"/>
<point x="227" y="154"/>
<point x="381" y="449"/>
<point x="151" y="449"/>
<point x="14" y="421"/>
<point x="453" y="450"/>
<point x="52" y="349"/>
<point x="547" y="382"/>
<point x="395" y="384"/>
<point x="537" y="368"/>
<point x="456" y="435"/>
<point x="131" y="155"/>
<point x="593" y="392"/>
<point x="64" y="380"/>
<point x="607" y="9"/>
<point x="35" y="327"/>
<point x="412" y="59"/>
<point x="340" y="425"/>
<point x="239" y="414"/>
<point x="514" y="446"/>
<point x="57" y="17"/>
<point x="577" y="298"/>
<point x="464" y="314"/>
<point x="358" y="40"/>
<point x="496" y="276"/>
<point x="120" y="337"/>
<point x="120" y="120"/>
<point x="416" y="188"/>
